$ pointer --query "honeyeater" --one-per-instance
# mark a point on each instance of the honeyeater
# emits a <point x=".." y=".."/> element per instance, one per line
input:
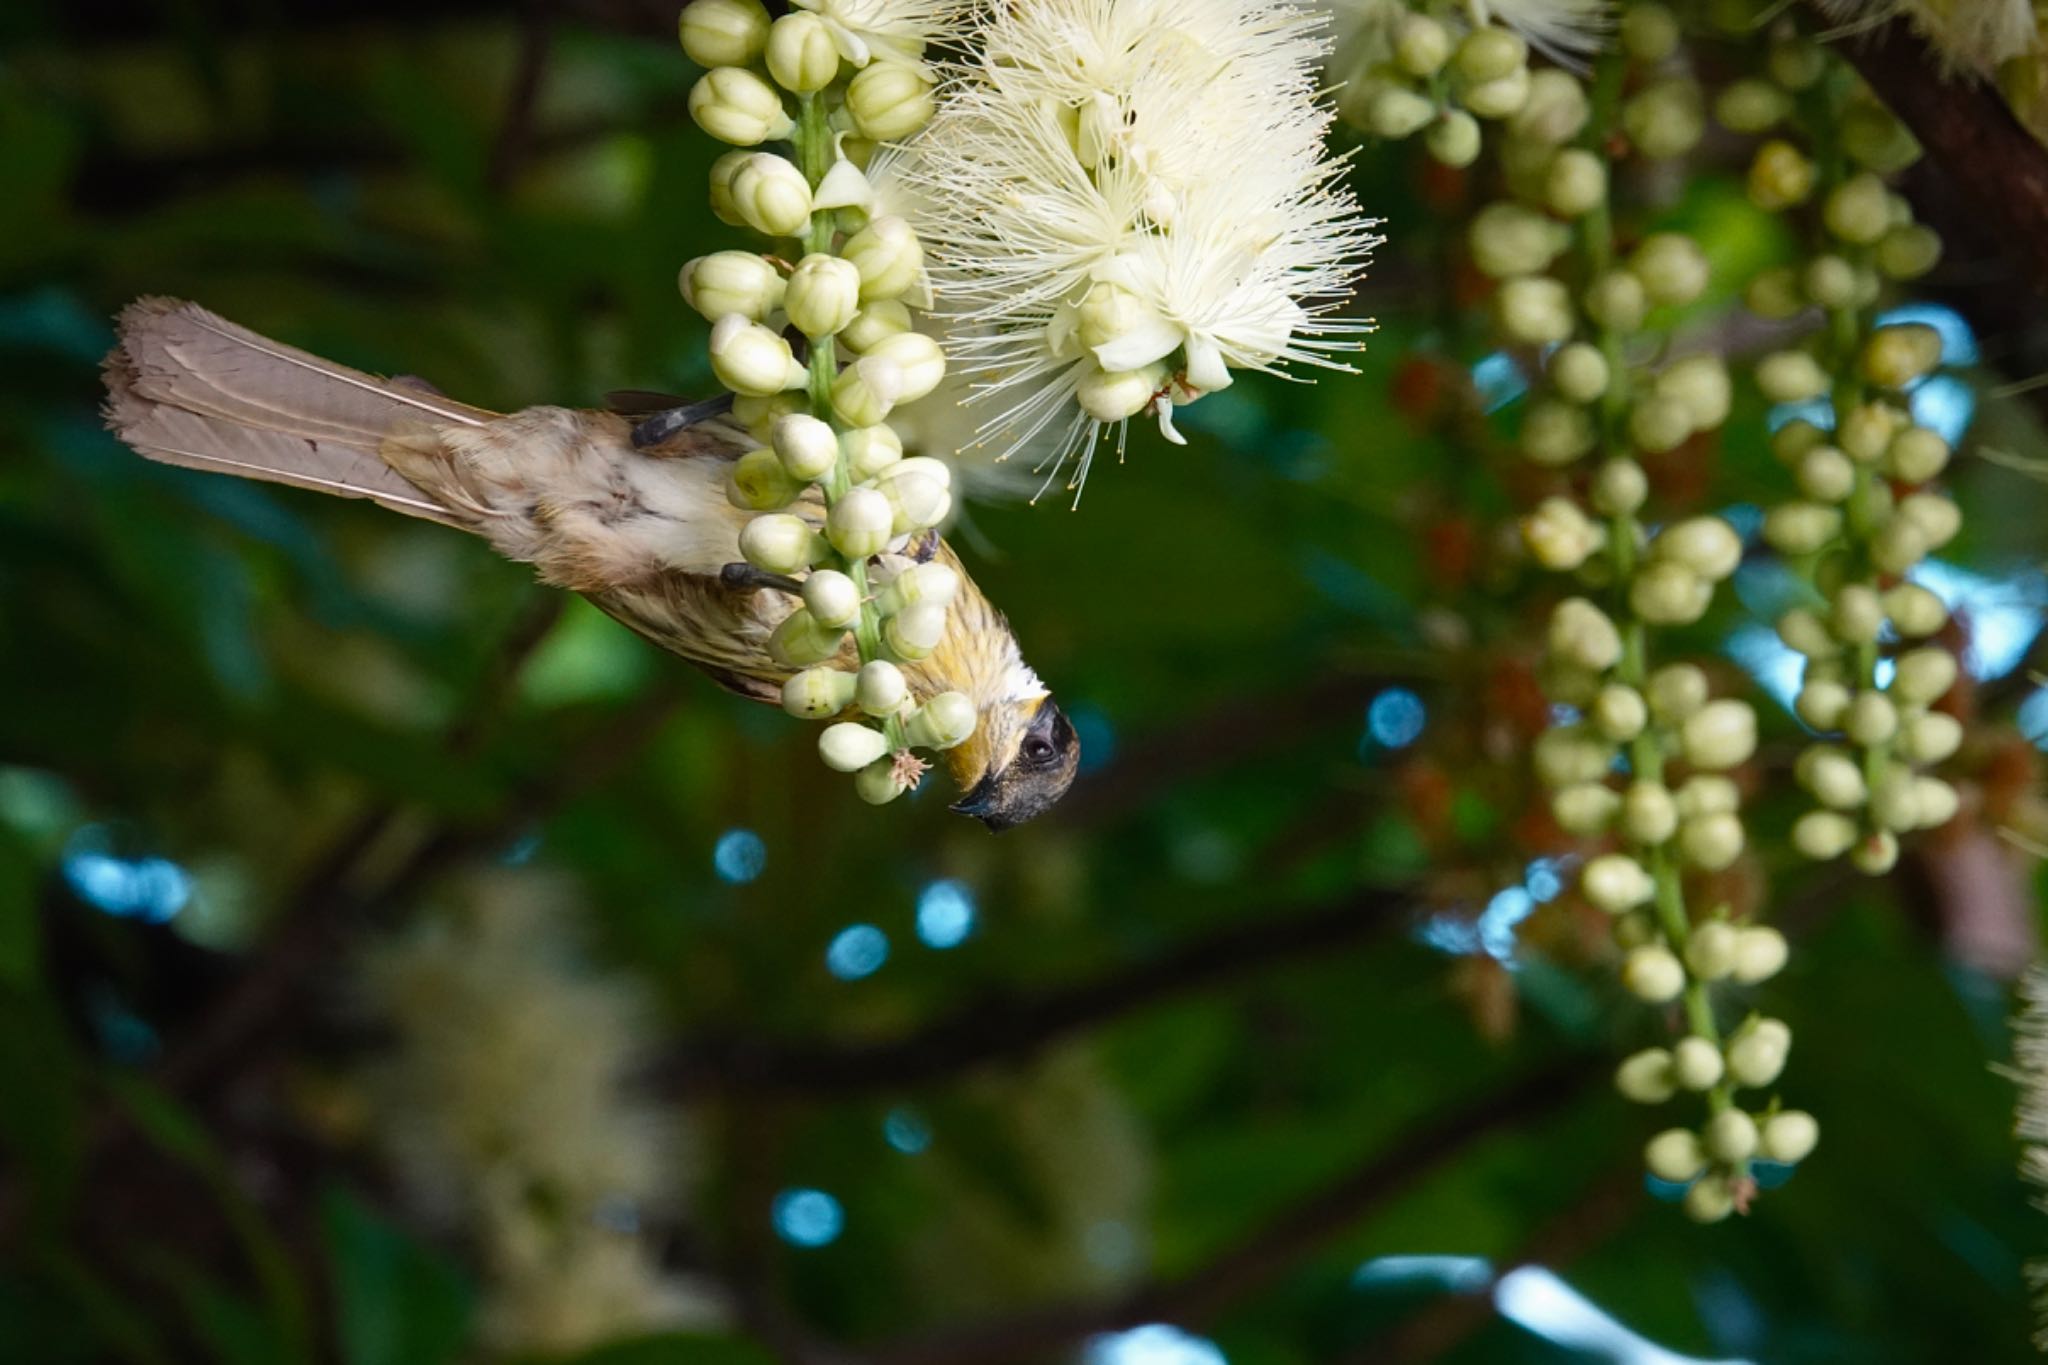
<point x="632" y="515"/>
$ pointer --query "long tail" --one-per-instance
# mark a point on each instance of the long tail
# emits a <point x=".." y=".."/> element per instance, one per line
<point x="189" y="388"/>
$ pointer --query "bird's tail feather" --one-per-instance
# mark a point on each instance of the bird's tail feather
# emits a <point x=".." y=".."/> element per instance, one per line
<point x="186" y="387"/>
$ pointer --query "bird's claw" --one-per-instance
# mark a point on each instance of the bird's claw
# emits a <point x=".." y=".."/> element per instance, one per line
<point x="746" y="577"/>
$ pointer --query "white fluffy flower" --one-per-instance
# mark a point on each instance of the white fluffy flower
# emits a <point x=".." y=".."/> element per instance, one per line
<point x="1123" y="201"/>
<point x="897" y="30"/>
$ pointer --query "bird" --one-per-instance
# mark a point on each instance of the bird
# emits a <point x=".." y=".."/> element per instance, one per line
<point x="632" y="515"/>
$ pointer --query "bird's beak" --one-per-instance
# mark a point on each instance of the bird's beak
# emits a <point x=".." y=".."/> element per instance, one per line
<point x="980" y="802"/>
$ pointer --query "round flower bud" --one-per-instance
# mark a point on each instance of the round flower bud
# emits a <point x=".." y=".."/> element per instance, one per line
<point x="757" y="482"/>
<point x="917" y="501"/>
<point x="1671" y="266"/>
<point x="1706" y="545"/>
<point x="1582" y="634"/>
<point x="1710" y="1200"/>
<point x="758" y="414"/>
<point x="1636" y="929"/>
<point x="750" y="359"/>
<point x="1857" y="613"/>
<point x="1114" y="395"/>
<point x="1894" y="804"/>
<point x="723" y="32"/>
<point x="832" y="598"/>
<point x="802" y="639"/>
<point x="728" y="282"/>
<point x="1697" y="1064"/>
<point x="1585" y="809"/>
<point x="1898" y="547"/>
<point x="806" y="446"/>
<point x="924" y="466"/>
<point x="876" y="320"/>
<point x="1619" y="488"/>
<point x="1652" y="974"/>
<point x="1565" y="755"/>
<point x="888" y="101"/>
<point x="1930" y="737"/>
<point x="1711" y="841"/>
<point x="1649" y="32"/>
<point x="817" y="693"/>
<point x="734" y="105"/>
<point x="1858" y="210"/>
<point x="879" y="783"/>
<point x="865" y="392"/>
<point x="1756" y="1054"/>
<point x="888" y="256"/>
<point x="1501" y="98"/>
<point x="722" y="172"/>
<point x="932" y="582"/>
<point x="1648" y="814"/>
<point x="1871" y="719"/>
<point x="1937" y="802"/>
<point x="1579" y="372"/>
<point x="879" y="688"/>
<point x="1700" y="382"/>
<point x="1874" y="137"/>
<point x="1720" y="735"/>
<point x="801" y="54"/>
<point x="1795" y="438"/>
<point x="823" y="293"/>
<point x="1750" y="105"/>
<point x="1800" y="528"/>
<point x="1788" y="1136"/>
<point x="1666" y="119"/>
<point x="1675" y="1155"/>
<point x="1575" y="183"/>
<point x="860" y="523"/>
<point x="872" y="449"/>
<point x="1908" y="252"/>
<point x="1658" y="424"/>
<point x="1875" y="854"/>
<point x="1489" y="53"/>
<point x="1866" y="431"/>
<point x="1791" y="377"/>
<point x="1555" y="433"/>
<point x="1822" y="704"/>
<point x="779" y="543"/>
<point x="850" y="746"/>
<point x="1831" y="281"/>
<point x="1780" y="176"/>
<point x="1453" y="139"/>
<point x="1555" y="110"/>
<point x="1534" y="310"/>
<point x="1645" y="1076"/>
<point x="1669" y="594"/>
<point x="1760" y="952"/>
<point x="1676" y="692"/>
<point x="1897" y="355"/>
<point x="1826" y="475"/>
<point x="1421" y="45"/>
<point x="1796" y="64"/>
<point x="914" y="632"/>
<point x="1509" y="240"/>
<point x="1619" y="712"/>
<point x="1933" y="516"/>
<point x="1710" y="951"/>
<point x="1730" y="1136"/>
<point x="1916" y="455"/>
<point x="1395" y="112"/>
<point x="1923" y="676"/>
<point x="1558" y="534"/>
<point x="1707" y="794"/>
<point x="1823" y="834"/>
<point x="917" y="357"/>
<point x="1617" y="301"/>
<point x="1774" y="293"/>
<point x="1615" y="883"/>
<point x="1834" y="778"/>
<point x="942" y="722"/>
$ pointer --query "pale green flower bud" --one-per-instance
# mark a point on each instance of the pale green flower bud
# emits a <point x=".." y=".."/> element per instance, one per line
<point x="865" y="392"/>
<point x="1730" y="1136"/>
<point x="1826" y="475"/>
<point x="734" y="105"/>
<point x="1666" y="119"/>
<point x="1874" y="137"/>
<point x="1897" y="355"/>
<point x="879" y="783"/>
<point x="1636" y="929"/>
<point x="1823" y="834"/>
<point x="1894" y="803"/>
<point x="942" y="722"/>
<point x="917" y="357"/>
<point x="1711" y="841"/>
<point x="1554" y="111"/>
<point x="1907" y="253"/>
<point x="1924" y="676"/>
<point x="802" y="639"/>
<point x="914" y="632"/>
<point x="1671" y="266"/>
<point x="1648" y="814"/>
<point x="1676" y="692"/>
<point x="1582" y="634"/>
<point x="1534" y="310"/>
<point x="1566" y="755"/>
<point x="1619" y="712"/>
<point x="1645" y="1076"/>
<point x="850" y="746"/>
<point x="1750" y="106"/>
<point x="1706" y="545"/>
<point x="1652" y="974"/>
<point x="1757" y="1052"/>
<point x="1871" y="719"/>
<point x="1935" y="517"/>
<point x="1555" y="433"/>
<point x="1615" y="883"/>
<point x="1658" y="424"/>
<point x="917" y="501"/>
<point x="823" y="294"/>
<point x="1720" y="735"/>
<point x="1831" y="281"/>
<point x="1579" y="372"/>
<point x="860" y="523"/>
<point x="889" y="257"/>
<point x="1792" y="440"/>
<point x="1619" y="488"/>
<point x="1617" y="301"/>
<point x="1788" y="1136"/>
<point x="1509" y="240"/>
<point x="1113" y="395"/>
<point x="1775" y="294"/>
<point x="1697" y="1064"/>
<point x="1700" y="382"/>
<point x="1822" y="704"/>
<point x="1800" y="528"/>
<point x="1834" y="778"/>
<point x="1488" y="53"/>
<point x="722" y="172"/>
<point x="1858" y="210"/>
<point x="1875" y="854"/>
<point x="1501" y="98"/>
<point x="1796" y="64"/>
<point x="1710" y="1200"/>
<point x="1707" y="794"/>
<point x="817" y="693"/>
<point x="877" y="320"/>
<point x="933" y="582"/>
<point x="779" y="543"/>
<point x="1675" y="1155"/>
<point x="1395" y="112"/>
<point x="1421" y="45"/>
<point x="1668" y="594"/>
<point x="801" y="54"/>
<point x="728" y="282"/>
<point x="1649" y="32"/>
<point x="1453" y="138"/>
<point x="832" y="598"/>
<point x="1780" y="176"/>
<point x="872" y="449"/>
<point x="750" y="359"/>
<point x="1791" y="377"/>
<point x="923" y="465"/>
<point x="879" y="688"/>
<point x="1585" y="809"/>
<point x="1916" y="455"/>
<point x="888" y="101"/>
<point x="1898" y="547"/>
<point x="1930" y="737"/>
<point x="1558" y="534"/>
<point x="1760" y="951"/>
<point x="759" y="413"/>
<point x="1867" y="431"/>
<point x="1857" y="614"/>
<point x="806" y="446"/>
<point x="757" y="482"/>
<point x="723" y="32"/>
<point x="1936" y="800"/>
<point x="1710" y="951"/>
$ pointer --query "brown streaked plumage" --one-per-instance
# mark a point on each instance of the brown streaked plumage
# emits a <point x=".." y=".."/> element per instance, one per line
<point x="643" y="533"/>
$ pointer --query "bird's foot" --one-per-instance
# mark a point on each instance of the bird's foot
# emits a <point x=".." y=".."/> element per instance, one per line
<point x="745" y="577"/>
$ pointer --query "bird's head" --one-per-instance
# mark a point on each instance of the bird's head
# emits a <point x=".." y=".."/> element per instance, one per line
<point x="1019" y="761"/>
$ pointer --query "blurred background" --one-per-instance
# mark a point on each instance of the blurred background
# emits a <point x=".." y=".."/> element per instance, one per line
<point x="400" y="963"/>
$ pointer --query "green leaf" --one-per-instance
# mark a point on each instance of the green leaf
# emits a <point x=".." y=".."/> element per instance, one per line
<point x="398" y="1303"/>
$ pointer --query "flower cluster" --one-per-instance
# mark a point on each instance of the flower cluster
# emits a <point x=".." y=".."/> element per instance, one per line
<point x="1126" y="201"/>
<point x="838" y="502"/>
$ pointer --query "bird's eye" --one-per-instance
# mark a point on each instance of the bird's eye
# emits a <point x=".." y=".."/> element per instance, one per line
<point x="1038" y="751"/>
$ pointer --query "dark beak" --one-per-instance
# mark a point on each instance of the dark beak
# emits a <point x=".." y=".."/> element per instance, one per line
<point x="981" y="804"/>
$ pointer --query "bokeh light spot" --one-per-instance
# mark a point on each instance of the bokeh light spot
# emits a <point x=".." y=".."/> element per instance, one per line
<point x="906" y="1131"/>
<point x="856" y="951"/>
<point x="1395" y="718"/>
<point x="739" y="856"/>
<point x="807" y="1218"/>
<point x="1156" y="1343"/>
<point x="945" y="913"/>
<point x="149" y="889"/>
